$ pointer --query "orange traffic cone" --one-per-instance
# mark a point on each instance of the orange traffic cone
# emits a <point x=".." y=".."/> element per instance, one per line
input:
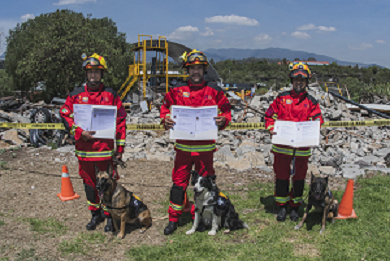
<point x="187" y="204"/>
<point x="346" y="206"/>
<point x="67" y="192"/>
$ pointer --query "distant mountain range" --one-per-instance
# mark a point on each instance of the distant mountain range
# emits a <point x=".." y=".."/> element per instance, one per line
<point x="274" y="53"/>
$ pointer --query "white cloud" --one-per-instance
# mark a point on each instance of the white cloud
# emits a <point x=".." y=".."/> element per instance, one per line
<point x="284" y="33"/>
<point x="327" y="29"/>
<point x="307" y="27"/>
<point x="261" y="38"/>
<point x="183" y="32"/>
<point x="232" y="19"/>
<point x="208" y="32"/>
<point x="25" y="17"/>
<point x="322" y="28"/>
<point x="380" y="41"/>
<point x="73" y="2"/>
<point x="300" y="35"/>
<point x="362" y="46"/>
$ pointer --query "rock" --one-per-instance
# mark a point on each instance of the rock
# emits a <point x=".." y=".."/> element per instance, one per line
<point x="12" y="136"/>
<point x="264" y="169"/>
<point x="313" y="169"/>
<point x="381" y="152"/>
<point x="326" y="170"/>
<point x="375" y="146"/>
<point x="255" y="158"/>
<point x="352" y="173"/>
<point x="371" y="159"/>
<point x="244" y="149"/>
<point x="66" y="149"/>
<point x="3" y="144"/>
<point x="224" y="154"/>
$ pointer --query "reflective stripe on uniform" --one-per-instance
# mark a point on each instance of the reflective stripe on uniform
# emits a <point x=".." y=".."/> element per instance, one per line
<point x="275" y="116"/>
<point x="94" y="154"/>
<point x="270" y="126"/>
<point x="297" y="200"/>
<point x="97" y="205"/>
<point x="286" y="151"/>
<point x="104" y="208"/>
<point x="195" y="148"/>
<point x="73" y="129"/>
<point x="282" y="199"/>
<point x="71" y="116"/>
<point x="176" y="207"/>
<point x="120" y="142"/>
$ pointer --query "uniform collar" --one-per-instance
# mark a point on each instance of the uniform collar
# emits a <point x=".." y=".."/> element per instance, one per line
<point x="94" y="90"/>
<point x="296" y="95"/>
<point x="199" y="85"/>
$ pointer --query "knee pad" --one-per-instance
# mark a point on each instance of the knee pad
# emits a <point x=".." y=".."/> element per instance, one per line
<point x="90" y="193"/>
<point x="298" y="187"/>
<point x="282" y="187"/>
<point x="177" y="195"/>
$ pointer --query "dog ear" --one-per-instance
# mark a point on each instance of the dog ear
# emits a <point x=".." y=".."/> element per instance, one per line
<point x="194" y="176"/>
<point x="110" y="170"/>
<point x="213" y="177"/>
<point x="312" y="177"/>
<point x="97" y="170"/>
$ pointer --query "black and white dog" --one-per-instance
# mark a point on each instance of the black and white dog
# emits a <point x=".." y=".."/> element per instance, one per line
<point x="213" y="207"/>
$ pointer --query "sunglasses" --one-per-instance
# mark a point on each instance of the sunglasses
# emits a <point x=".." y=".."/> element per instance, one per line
<point x="91" y="61"/>
<point x="193" y="57"/>
<point x="296" y="74"/>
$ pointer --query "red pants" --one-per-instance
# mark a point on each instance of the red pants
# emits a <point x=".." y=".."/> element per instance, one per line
<point x="282" y="180"/>
<point x="87" y="173"/>
<point x="181" y="176"/>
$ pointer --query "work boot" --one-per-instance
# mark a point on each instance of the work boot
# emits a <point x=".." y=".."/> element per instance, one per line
<point x="109" y="226"/>
<point x="294" y="214"/>
<point x="96" y="219"/>
<point x="172" y="226"/>
<point x="282" y="214"/>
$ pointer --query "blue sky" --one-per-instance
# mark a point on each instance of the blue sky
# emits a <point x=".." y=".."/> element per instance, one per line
<point x="356" y="31"/>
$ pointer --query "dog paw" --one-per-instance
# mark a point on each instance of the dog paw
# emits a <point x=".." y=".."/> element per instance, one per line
<point x="120" y="236"/>
<point x="212" y="233"/>
<point x="298" y="227"/>
<point x="227" y="231"/>
<point x="190" y="232"/>
<point x="322" y="230"/>
<point x="142" y="231"/>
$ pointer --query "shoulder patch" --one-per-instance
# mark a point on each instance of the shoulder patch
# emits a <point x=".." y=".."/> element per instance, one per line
<point x="286" y="93"/>
<point x="214" y="86"/>
<point x="312" y="99"/>
<point x="111" y="90"/>
<point x="77" y="91"/>
<point x="179" y="84"/>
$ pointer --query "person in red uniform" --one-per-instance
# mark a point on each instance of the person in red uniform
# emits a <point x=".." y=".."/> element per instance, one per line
<point x="194" y="92"/>
<point x="90" y="150"/>
<point x="295" y="105"/>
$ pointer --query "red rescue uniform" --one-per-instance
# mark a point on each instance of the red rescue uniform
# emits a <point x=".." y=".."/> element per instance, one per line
<point x="199" y="153"/>
<point x="95" y="151"/>
<point x="291" y="106"/>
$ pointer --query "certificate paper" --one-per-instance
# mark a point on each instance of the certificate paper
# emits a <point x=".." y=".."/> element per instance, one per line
<point x="194" y="123"/>
<point x="99" y="118"/>
<point x="297" y="134"/>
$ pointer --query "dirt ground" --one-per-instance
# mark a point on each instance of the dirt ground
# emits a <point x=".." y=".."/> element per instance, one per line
<point x="31" y="179"/>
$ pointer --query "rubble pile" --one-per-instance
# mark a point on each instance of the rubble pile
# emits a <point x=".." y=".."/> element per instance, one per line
<point x="345" y="152"/>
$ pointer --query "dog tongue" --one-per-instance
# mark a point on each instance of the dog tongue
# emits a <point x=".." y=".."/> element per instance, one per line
<point x="100" y="193"/>
<point x="317" y="196"/>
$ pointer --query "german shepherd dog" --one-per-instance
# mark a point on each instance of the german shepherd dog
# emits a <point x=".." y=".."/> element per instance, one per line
<point x="213" y="207"/>
<point x="122" y="204"/>
<point x="323" y="201"/>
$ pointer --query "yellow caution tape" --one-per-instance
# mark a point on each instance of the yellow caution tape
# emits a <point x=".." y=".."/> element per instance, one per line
<point x="232" y="126"/>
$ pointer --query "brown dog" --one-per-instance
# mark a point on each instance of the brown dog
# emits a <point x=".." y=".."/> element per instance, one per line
<point x="121" y="203"/>
<point x="322" y="199"/>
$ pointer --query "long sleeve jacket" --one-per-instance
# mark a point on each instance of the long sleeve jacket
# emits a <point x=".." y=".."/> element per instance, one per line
<point x="291" y="106"/>
<point x="189" y="94"/>
<point x="95" y="149"/>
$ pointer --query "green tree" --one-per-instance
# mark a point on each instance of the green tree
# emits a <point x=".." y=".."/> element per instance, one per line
<point x="48" y="49"/>
<point x="6" y="85"/>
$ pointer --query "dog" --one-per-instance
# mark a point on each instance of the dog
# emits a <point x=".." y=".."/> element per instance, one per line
<point x="213" y="207"/>
<point x="122" y="204"/>
<point x="323" y="201"/>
